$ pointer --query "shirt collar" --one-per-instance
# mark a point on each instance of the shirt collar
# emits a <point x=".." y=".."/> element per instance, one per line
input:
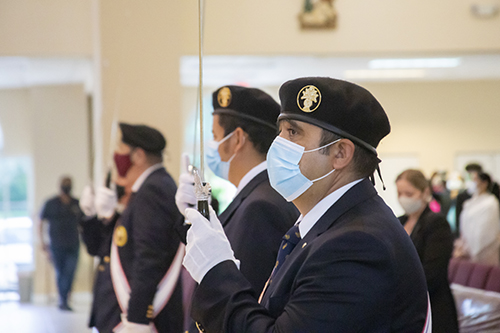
<point x="138" y="183"/>
<point x="308" y="221"/>
<point x="251" y="175"/>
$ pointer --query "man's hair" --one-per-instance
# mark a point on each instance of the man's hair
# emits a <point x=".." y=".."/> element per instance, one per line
<point x="473" y="167"/>
<point x="65" y="179"/>
<point x="484" y="177"/>
<point x="260" y="136"/>
<point x="364" y="162"/>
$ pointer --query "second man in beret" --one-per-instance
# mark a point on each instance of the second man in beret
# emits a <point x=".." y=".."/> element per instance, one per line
<point x="244" y="126"/>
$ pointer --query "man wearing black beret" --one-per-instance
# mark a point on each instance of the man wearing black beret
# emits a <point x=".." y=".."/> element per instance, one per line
<point x="347" y="265"/>
<point x="244" y="126"/>
<point x="146" y="252"/>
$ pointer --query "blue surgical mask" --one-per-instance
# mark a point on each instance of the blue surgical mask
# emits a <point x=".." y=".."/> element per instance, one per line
<point x="283" y="168"/>
<point x="218" y="167"/>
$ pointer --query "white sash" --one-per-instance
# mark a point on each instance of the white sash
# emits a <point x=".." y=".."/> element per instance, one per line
<point x="428" y="320"/>
<point x="165" y="287"/>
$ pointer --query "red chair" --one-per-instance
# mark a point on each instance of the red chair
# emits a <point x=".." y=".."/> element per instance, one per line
<point x="464" y="271"/>
<point x="493" y="282"/>
<point x="479" y="276"/>
<point x="452" y="268"/>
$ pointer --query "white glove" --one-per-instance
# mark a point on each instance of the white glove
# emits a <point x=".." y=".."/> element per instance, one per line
<point x="128" y="327"/>
<point x="184" y="197"/>
<point x="207" y="244"/>
<point x="87" y="201"/>
<point x="105" y="202"/>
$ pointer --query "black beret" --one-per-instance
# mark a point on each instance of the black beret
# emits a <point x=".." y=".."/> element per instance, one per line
<point x="338" y="106"/>
<point x="247" y="103"/>
<point x="142" y="136"/>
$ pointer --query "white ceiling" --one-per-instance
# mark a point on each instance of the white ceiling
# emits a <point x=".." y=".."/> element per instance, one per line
<point x="18" y="72"/>
<point x="273" y="71"/>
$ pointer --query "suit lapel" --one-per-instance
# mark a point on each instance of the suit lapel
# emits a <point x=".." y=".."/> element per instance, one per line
<point x="416" y="234"/>
<point x="357" y="194"/>
<point x="226" y="215"/>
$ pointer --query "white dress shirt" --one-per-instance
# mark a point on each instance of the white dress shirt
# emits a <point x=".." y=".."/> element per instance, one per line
<point x="250" y="175"/>
<point x="308" y="221"/>
<point x="138" y="183"/>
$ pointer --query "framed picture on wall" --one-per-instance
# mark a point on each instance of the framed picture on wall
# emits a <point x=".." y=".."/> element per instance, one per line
<point x="318" y="14"/>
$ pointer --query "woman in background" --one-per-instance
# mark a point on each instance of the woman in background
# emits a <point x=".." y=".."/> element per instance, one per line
<point x="433" y="240"/>
<point x="480" y="223"/>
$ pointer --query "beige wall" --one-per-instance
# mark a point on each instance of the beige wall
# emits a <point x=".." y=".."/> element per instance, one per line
<point x="364" y="26"/>
<point x="45" y="28"/>
<point x="142" y="43"/>
<point x="15" y="122"/>
<point x="140" y="55"/>
<point x="63" y="27"/>
<point x="60" y="136"/>
<point x="433" y="121"/>
<point x="49" y="124"/>
<point x="437" y="120"/>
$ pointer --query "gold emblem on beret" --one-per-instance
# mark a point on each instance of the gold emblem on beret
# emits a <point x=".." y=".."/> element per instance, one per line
<point x="224" y="97"/>
<point x="309" y="98"/>
<point x="120" y="236"/>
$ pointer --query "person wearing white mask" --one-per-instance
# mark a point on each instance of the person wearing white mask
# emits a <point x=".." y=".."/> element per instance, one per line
<point x="480" y="223"/>
<point x="432" y="237"/>
<point x="347" y="265"/>
<point x="244" y="126"/>
<point x="472" y="170"/>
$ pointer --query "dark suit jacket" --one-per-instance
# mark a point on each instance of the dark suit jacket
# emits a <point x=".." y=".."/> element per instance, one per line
<point x="105" y="312"/>
<point x="460" y="199"/>
<point x="433" y="240"/>
<point x="151" y="220"/>
<point x="254" y="223"/>
<point x="355" y="271"/>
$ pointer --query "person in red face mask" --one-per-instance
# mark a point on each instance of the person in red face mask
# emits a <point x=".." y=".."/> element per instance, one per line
<point x="97" y="235"/>
<point x="146" y="249"/>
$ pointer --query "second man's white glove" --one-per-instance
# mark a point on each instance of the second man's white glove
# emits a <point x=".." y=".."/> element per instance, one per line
<point x="207" y="244"/>
<point x="128" y="327"/>
<point x="185" y="197"/>
<point x="87" y="201"/>
<point x="105" y="202"/>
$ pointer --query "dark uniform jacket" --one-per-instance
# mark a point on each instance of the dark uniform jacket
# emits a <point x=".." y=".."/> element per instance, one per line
<point x="254" y="223"/>
<point x="433" y="240"/>
<point x="97" y="236"/>
<point x="151" y="220"/>
<point x="356" y="270"/>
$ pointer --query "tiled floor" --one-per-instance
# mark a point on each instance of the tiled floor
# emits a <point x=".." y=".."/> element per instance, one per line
<point x="29" y="318"/>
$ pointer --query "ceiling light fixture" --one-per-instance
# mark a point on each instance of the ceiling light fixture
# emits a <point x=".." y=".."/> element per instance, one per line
<point x="372" y="74"/>
<point x="414" y="63"/>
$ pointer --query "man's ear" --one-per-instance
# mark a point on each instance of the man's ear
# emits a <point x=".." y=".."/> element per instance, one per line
<point x="138" y="156"/>
<point x="240" y="137"/>
<point x="342" y="153"/>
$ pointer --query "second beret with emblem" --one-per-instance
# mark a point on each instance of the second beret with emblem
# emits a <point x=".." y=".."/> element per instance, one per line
<point x="248" y="103"/>
<point x="338" y="106"/>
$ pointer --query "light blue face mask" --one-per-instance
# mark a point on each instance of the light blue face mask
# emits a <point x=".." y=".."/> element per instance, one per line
<point x="218" y="167"/>
<point x="283" y="168"/>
